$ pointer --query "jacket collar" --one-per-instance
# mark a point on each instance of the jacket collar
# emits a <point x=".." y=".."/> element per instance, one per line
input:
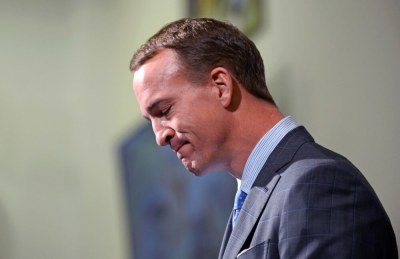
<point x="260" y="192"/>
<point x="283" y="155"/>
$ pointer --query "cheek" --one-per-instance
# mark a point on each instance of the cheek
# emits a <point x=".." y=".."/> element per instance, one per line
<point x="203" y="124"/>
<point x="211" y="138"/>
<point x="186" y="121"/>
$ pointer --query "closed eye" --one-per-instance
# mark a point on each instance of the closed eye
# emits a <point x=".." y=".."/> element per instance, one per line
<point x="159" y="108"/>
<point x="165" y="112"/>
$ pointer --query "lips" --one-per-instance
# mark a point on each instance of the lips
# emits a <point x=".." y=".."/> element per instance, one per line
<point x="176" y="147"/>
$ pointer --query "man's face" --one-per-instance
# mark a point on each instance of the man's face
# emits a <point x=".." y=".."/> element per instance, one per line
<point x="184" y="115"/>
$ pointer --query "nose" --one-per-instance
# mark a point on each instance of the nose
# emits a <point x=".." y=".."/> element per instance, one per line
<point x="163" y="133"/>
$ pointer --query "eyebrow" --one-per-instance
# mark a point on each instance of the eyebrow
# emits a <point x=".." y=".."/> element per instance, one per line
<point x="150" y="107"/>
<point x="153" y="104"/>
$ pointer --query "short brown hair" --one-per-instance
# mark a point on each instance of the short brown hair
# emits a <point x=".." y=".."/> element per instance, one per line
<point x="203" y="44"/>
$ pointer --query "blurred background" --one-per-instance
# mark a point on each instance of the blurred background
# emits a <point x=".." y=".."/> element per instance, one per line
<point x="67" y="108"/>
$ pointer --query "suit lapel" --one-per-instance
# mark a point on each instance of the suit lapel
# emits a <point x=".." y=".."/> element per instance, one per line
<point x="227" y="234"/>
<point x="248" y="217"/>
<point x="261" y="191"/>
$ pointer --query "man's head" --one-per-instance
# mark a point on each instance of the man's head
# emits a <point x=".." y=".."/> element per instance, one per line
<point x="203" y="44"/>
<point x="193" y="119"/>
<point x="201" y="84"/>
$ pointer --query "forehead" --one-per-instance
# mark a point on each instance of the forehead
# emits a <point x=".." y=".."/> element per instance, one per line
<point x="163" y="65"/>
<point x="158" y="77"/>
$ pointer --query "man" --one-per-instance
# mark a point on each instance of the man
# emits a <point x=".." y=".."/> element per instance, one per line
<point x="201" y="84"/>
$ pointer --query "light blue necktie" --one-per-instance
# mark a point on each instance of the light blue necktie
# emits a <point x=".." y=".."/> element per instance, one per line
<point x="239" y="200"/>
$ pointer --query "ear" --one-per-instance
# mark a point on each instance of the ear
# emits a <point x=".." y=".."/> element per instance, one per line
<point x="222" y="83"/>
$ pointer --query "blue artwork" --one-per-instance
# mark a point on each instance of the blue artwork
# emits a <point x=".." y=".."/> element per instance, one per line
<point x="172" y="214"/>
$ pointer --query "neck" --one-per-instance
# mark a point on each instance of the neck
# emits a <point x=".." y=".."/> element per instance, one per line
<point x="252" y="120"/>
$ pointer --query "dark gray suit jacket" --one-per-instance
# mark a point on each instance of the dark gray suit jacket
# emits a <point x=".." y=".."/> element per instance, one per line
<point x="309" y="202"/>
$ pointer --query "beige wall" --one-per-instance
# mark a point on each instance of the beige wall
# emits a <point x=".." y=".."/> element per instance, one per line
<point x="334" y="65"/>
<point x="66" y="102"/>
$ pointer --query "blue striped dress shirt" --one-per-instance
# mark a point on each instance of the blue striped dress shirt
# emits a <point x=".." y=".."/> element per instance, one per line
<point x="262" y="151"/>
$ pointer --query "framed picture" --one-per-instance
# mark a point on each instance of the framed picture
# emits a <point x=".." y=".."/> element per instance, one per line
<point x="172" y="214"/>
<point x="245" y="14"/>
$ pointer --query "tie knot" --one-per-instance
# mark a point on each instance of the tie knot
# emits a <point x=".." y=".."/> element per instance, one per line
<point x="239" y="199"/>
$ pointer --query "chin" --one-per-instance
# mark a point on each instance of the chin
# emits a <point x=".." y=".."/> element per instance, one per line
<point x="199" y="171"/>
<point x="194" y="171"/>
<point x="191" y="167"/>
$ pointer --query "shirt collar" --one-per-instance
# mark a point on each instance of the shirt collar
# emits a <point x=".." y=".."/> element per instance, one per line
<point x="263" y="150"/>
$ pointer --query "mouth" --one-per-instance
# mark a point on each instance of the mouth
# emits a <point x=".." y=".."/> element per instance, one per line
<point x="177" y="148"/>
